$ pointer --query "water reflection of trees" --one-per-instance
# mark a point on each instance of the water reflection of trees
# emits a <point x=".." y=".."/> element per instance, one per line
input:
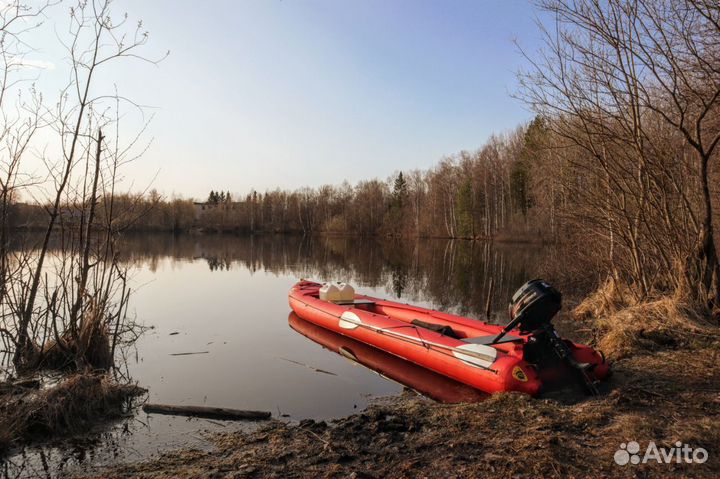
<point x="454" y="275"/>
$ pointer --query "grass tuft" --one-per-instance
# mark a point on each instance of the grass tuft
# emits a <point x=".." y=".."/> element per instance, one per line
<point x="68" y="407"/>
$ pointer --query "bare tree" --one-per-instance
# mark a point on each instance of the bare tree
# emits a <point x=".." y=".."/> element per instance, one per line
<point x="19" y="122"/>
<point x="65" y="303"/>
<point x="633" y="89"/>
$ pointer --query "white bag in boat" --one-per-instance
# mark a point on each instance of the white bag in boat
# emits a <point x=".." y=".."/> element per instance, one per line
<point x="330" y="292"/>
<point x="347" y="292"/>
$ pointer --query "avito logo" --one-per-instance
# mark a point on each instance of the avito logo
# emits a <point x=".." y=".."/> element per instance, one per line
<point x="681" y="453"/>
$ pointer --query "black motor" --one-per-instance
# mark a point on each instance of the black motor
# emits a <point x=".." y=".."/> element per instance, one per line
<point x="534" y="305"/>
<point x="532" y="309"/>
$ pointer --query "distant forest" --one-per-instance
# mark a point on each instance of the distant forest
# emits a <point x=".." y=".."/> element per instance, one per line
<point x="498" y="189"/>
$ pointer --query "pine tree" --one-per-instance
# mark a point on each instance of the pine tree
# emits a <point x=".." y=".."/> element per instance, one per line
<point x="400" y="191"/>
<point x="521" y="167"/>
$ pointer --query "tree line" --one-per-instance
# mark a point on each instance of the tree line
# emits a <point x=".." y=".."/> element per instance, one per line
<point x="468" y="195"/>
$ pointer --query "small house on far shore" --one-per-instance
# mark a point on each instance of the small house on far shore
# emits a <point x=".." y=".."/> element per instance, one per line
<point x="203" y="207"/>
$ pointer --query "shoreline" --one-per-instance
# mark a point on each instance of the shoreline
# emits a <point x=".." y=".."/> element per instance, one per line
<point x="508" y="435"/>
<point x="501" y="238"/>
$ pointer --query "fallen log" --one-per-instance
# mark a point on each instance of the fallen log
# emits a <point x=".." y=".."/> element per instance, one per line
<point x="209" y="412"/>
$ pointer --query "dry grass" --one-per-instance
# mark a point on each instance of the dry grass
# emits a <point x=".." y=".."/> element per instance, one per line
<point x="65" y="408"/>
<point x="604" y="301"/>
<point x="29" y="412"/>
<point x="88" y="347"/>
<point x="622" y="326"/>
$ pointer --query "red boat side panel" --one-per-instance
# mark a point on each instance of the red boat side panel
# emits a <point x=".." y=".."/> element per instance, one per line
<point x="426" y="348"/>
<point x="439" y="387"/>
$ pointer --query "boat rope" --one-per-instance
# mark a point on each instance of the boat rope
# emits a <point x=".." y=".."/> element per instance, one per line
<point x="417" y="330"/>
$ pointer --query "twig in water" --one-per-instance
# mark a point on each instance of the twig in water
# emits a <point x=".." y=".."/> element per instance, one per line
<point x="309" y="367"/>
<point x="216" y="423"/>
<point x="199" y="438"/>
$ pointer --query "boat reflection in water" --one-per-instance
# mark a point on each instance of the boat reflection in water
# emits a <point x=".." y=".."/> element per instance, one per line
<point x="430" y="384"/>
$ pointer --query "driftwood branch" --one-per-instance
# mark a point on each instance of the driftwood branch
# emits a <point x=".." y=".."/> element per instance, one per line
<point x="207" y="412"/>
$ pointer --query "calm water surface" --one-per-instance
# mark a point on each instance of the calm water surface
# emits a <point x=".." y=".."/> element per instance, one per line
<point x="225" y="297"/>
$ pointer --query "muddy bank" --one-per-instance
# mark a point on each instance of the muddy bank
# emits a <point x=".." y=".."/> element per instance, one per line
<point x="665" y="397"/>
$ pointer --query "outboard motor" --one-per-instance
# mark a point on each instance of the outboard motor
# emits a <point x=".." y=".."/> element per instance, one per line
<point x="534" y="305"/>
<point x="532" y="309"/>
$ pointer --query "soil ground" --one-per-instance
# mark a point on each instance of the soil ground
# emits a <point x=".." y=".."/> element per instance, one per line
<point x="663" y="396"/>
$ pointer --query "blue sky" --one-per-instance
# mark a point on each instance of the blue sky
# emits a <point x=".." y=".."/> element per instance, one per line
<point x="266" y="93"/>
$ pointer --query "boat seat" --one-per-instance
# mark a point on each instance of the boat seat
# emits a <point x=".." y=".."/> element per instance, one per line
<point x="486" y="340"/>
<point x="355" y="302"/>
<point x="443" y="329"/>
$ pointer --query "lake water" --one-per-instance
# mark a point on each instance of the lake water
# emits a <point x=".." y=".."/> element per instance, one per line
<point x="225" y="298"/>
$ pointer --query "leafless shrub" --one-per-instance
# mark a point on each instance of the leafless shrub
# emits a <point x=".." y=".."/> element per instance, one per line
<point x="68" y="307"/>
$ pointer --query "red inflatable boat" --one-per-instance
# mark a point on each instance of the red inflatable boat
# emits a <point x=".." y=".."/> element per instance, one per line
<point x="426" y="382"/>
<point x="484" y="356"/>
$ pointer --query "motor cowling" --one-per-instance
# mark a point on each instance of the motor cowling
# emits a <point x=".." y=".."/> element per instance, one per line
<point x="532" y="309"/>
<point x="534" y="305"/>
